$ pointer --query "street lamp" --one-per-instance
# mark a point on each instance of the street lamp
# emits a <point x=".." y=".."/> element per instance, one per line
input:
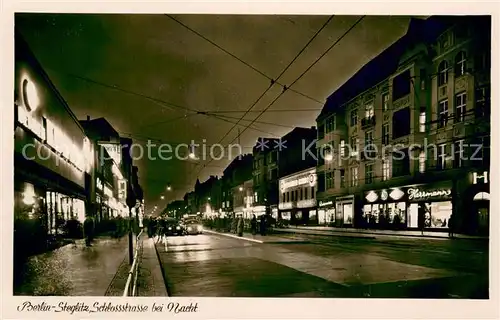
<point x="162" y="197"/>
<point x="241" y="188"/>
<point x="169" y="188"/>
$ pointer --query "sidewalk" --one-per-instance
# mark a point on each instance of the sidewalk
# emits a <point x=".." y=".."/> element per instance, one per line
<point x="258" y="238"/>
<point x="370" y="233"/>
<point x="75" y="269"/>
<point x="150" y="282"/>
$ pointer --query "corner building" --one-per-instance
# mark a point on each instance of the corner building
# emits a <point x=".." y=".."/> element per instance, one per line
<point x="404" y="143"/>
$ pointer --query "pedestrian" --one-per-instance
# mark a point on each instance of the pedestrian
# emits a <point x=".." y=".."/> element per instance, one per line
<point x="240" y="226"/>
<point x="253" y="225"/>
<point x="88" y="229"/>
<point x="233" y="224"/>
<point x="451" y="223"/>
<point x="263" y="225"/>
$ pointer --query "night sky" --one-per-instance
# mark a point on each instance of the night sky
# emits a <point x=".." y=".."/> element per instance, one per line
<point x="152" y="59"/>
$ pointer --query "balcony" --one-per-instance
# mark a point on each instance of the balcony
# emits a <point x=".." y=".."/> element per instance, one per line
<point x="367" y="122"/>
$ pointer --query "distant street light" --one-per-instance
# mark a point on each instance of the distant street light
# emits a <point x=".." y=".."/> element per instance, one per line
<point x="162" y="197"/>
<point x="169" y="188"/>
<point x="241" y="188"/>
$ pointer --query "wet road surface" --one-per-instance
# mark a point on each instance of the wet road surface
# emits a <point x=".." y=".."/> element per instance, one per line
<point x="219" y="266"/>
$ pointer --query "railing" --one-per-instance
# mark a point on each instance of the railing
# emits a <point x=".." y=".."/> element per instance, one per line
<point x="130" y="289"/>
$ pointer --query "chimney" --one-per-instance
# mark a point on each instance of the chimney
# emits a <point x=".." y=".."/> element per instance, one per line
<point x="88" y="118"/>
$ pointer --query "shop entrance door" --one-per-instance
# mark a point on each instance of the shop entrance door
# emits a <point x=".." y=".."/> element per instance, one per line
<point x="483" y="220"/>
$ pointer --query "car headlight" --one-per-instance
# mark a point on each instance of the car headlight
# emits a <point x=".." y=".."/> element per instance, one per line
<point x="189" y="228"/>
<point x="178" y="228"/>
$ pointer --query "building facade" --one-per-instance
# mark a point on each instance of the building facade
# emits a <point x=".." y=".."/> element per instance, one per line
<point x="265" y="176"/>
<point x="234" y="176"/>
<point x="395" y="142"/>
<point x="53" y="158"/>
<point x="297" y="204"/>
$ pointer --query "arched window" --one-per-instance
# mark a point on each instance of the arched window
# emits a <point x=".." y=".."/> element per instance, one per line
<point x="460" y="64"/>
<point x="443" y="73"/>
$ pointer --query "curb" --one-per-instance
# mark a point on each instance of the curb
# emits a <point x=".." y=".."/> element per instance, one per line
<point x="163" y="274"/>
<point x="233" y="236"/>
<point x="285" y="241"/>
<point x="370" y="235"/>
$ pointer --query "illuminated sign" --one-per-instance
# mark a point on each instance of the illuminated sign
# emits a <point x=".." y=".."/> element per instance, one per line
<point x="284" y="206"/>
<point x="99" y="183"/>
<point x="310" y="179"/>
<point x="48" y="131"/>
<point x="417" y="194"/>
<point x="396" y="194"/>
<point x="306" y="203"/>
<point x="383" y="195"/>
<point x="483" y="177"/>
<point x="371" y="196"/>
<point x="108" y="192"/>
<point x="326" y="203"/>
<point x="122" y="190"/>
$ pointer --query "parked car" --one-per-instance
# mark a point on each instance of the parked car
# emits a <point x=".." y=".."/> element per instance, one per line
<point x="193" y="227"/>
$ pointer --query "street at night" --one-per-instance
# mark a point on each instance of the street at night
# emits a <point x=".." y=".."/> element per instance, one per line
<point x="268" y="156"/>
<point x="213" y="265"/>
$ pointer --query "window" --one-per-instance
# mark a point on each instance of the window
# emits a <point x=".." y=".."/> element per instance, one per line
<point x="44" y="128"/>
<point x="385" y="134"/>
<point x="386" y="170"/>
<point x="321" y="131"/>
<point x="313" y="194"/>
<point x="482" y="107"/>
<point x="400" y="163"/>
<point x="330" y="180"/>
<point x="330" y="124"/>
<point x="342" y="148"/>
<point x="443" y="114"/>
<point x="354" y="117"/>
<point x="441" y="158"/>
<point x="401" y="85"/>
<point x="369" y="147"/>
<point x="342" y="178"/>
<point x="368" y="137"/>
<point x="385" y="102"/>
<point x="423" y="78"/>
<point x="321" y="181"/>
<point x="421" y="162"/>
<point x="369" y="173"/>
<point x="421" y="121"/>
<point x="354" y="177"/>
<point x="458" y="153"/>
<point x="283" y="197"/>
<point x="354" y="146"/>
<point x="460" y="64"/>
<point x="401" y="123"/>
<point x="369" y="111"/>
<point x="460" y="105"/>
<point x="482" y="62"/>
<point x="306" y="194"/>
<point x="301" y="196"/>
<point x="443" y="73"/>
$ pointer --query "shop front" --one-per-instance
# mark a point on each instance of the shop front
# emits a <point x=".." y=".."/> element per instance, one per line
<point x="476" y="204"/>
<point x="344" y="213"/>
<point x="326" y="212"/>
<point x="424" y="206"/>
<point x="297" y="200"/>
